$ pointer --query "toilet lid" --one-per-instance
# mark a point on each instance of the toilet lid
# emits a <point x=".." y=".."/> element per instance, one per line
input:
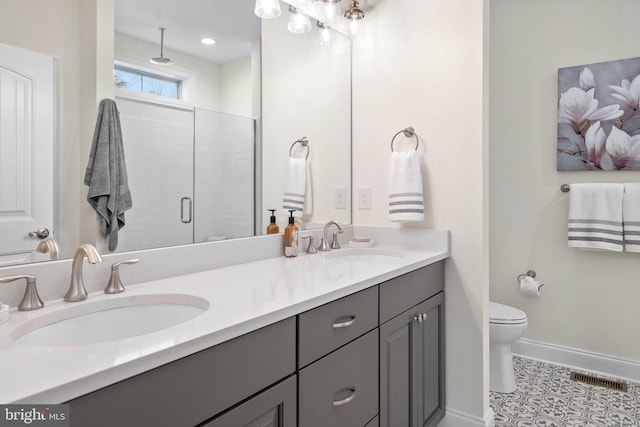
<point x="504" y="314"/>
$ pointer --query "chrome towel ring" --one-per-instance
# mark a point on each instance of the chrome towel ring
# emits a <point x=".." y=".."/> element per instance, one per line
<point x="302" y="141"/>
<point x="408" y="132"/>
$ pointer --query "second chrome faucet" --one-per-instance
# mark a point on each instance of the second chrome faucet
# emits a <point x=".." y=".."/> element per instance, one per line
<point x="76" y="291"/>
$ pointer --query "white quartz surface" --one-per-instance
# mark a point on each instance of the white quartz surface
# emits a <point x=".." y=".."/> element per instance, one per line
<point x="242" y="298"/>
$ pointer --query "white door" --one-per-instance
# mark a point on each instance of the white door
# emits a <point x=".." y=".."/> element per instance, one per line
<point x="26" y="151"/>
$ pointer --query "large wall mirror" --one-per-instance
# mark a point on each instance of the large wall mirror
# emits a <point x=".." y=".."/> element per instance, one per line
<point x="208" y="139"/>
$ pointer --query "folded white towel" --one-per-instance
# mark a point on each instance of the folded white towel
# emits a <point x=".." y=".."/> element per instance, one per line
<point x="631" y="216"/>
<point x="595" y="216"/>
<point x="296" y="186"/>
<point x="406" y="202"/>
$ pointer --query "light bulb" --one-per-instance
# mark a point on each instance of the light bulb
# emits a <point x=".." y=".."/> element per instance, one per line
<point x="332" y="10"/>
<point x="325" y="36"/>
<point x="298" y="23"/>
<point x="267" y="9"/>
<point x="356" y="29"/>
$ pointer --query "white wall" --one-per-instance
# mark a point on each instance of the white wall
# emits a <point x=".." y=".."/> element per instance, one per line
<point x="590" y="299"/>
<point x="305" y="92"/>
<point x="236" y="91"/>
<point x="421" y="65"/>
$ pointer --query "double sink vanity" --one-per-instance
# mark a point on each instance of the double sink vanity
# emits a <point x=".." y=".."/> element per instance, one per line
<point x="349" y="337"/>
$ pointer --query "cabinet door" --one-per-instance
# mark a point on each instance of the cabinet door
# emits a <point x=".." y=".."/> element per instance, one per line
<point x="412" y="366"/>
<point x="395" y="369"/>
<point x="275" y="407"/>
<point x="428" y="360"/>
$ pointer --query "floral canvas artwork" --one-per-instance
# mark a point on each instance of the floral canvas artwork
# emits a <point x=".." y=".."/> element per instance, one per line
<point x="598" y="117"/>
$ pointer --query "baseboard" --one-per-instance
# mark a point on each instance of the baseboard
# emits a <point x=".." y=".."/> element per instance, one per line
<point x="455" y="418"/>
<point x="566" y="356"/>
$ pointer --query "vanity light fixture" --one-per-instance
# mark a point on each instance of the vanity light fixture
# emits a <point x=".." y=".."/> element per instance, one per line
<point x="355" y="15"/>
<point x="332" y="9"/>
<point x="267" y="9"/>
<point x="326" y="37"/>
<point x="298" y="22"/>
<point x="161" y="60"/>
<point x="208" y="41"/>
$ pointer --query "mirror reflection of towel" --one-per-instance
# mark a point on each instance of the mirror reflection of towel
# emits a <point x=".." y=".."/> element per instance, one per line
<point x="106" y="173"/>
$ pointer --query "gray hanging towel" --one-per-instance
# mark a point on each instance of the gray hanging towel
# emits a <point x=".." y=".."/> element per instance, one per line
<point x="106" y="173"/>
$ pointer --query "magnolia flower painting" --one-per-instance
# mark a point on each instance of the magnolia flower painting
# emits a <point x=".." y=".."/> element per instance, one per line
<point x="599" y="117"/>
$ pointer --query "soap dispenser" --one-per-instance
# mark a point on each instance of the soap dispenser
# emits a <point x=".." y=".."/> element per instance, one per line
<point x="273" y="228"/>
<point x="291" y="237"/>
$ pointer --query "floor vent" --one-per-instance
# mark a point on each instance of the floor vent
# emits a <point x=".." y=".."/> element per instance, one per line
<point x="602" y="382"/>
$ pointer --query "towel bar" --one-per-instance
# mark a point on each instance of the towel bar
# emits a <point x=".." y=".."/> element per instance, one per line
<point x="302" y="141"/>
<point x="408" y="132"/>
<point x="565" y="188"/>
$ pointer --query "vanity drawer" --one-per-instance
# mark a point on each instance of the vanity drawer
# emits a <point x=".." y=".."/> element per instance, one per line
<point x="192" y="389"/>
<point x="332" y="325"/>
<point x="341" y="389"/>
<point x="399" y="294"/>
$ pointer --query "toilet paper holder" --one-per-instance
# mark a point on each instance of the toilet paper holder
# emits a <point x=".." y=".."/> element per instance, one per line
<point x="529" y="273"/>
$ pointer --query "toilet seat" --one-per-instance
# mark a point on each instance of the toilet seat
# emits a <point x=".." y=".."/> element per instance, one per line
<point x="500" y="314"/>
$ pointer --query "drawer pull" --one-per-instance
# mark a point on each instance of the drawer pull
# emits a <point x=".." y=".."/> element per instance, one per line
<point x="345" y="324"/>
<point x="347" y="399"/>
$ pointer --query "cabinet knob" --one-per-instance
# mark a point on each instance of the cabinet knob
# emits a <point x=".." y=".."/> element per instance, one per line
<point x="347" y="399"/>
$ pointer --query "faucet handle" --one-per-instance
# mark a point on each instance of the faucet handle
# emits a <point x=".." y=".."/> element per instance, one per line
<point x="31" y="299"/>
<point x="311" y="249"/>
<point x="335" y="244"/>
<point x="115" y="285"/>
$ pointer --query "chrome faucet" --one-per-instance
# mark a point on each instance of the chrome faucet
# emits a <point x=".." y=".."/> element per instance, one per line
<point x="324" y="246"/>
<point x="49" y="245"/>
<point x="76" y="291"/>
<point x="31" y="299"/>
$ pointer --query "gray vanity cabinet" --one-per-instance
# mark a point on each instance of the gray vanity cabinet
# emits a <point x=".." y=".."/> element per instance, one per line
<point x="196" y="388"/>
<point x="371" y="359"/>
<point x="275" y="407"/>
<point x="412" y="366"/>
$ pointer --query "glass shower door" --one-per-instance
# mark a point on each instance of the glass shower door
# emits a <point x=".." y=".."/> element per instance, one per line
<point x="158" y="143"/>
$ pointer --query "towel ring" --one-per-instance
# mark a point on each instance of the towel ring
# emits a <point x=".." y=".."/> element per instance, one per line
<point x="302" y="141"/>
<point x="408" y="132"/>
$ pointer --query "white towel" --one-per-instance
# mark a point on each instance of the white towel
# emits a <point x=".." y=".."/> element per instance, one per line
<point x="631" y="216"/>
<point x="297" y="192"/>
<point x="595" y="216"/>
<point x="406" y="202"/>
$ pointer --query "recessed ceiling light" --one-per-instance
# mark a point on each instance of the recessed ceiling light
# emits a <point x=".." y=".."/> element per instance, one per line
<point x="207" y="40"/>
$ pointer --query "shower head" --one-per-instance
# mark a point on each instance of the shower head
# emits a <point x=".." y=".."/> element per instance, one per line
<point x="161" y="60"/>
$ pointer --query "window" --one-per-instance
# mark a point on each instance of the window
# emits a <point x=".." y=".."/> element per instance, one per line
<point x="144" y="82"/>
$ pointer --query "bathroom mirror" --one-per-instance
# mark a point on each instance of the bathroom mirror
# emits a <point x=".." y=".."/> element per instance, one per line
<point x="283" y="87"/>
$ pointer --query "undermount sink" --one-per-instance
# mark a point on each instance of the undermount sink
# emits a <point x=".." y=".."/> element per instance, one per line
<point x="109" y="320"/>
<point x="364" y="255"/>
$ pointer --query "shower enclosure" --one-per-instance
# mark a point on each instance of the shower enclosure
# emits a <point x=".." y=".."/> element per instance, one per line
<point x="191" y="174"/>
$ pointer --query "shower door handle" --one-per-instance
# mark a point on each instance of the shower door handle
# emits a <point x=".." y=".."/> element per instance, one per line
<point x="186" y="220"/>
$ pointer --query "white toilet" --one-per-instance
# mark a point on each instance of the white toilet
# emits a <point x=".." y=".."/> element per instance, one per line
<point x="506" y="324"/>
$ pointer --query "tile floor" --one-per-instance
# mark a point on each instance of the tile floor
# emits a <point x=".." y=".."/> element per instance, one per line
<point x="545" y="396"/>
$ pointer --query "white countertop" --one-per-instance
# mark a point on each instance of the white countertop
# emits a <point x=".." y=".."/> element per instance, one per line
<point x="242" y="298"/>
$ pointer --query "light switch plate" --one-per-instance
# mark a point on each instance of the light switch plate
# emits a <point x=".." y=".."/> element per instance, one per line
<point x="340" y="198"/>
<point x="364" y="198"/>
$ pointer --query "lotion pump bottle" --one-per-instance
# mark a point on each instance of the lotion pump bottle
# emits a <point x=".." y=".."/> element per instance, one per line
<point x="273" y="228"/>
<point x="291" y="237"/>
